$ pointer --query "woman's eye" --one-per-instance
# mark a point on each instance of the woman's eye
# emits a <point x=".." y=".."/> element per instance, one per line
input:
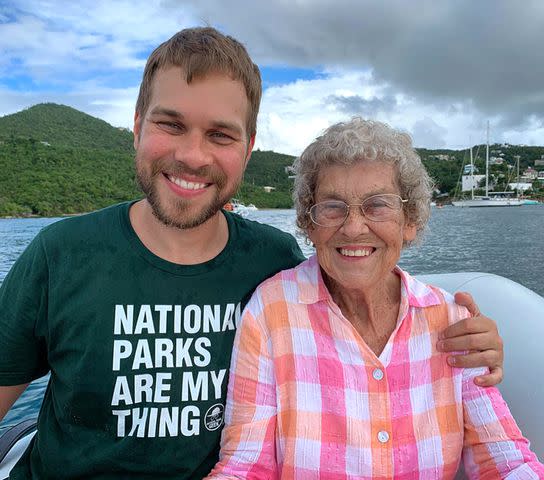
<point x="376" y="204"/>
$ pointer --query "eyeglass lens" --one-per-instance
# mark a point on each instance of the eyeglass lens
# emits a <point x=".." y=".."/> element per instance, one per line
<point x="376" y="208"/>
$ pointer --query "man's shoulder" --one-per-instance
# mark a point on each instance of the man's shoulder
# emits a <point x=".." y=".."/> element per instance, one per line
<point x="263" y="247"/>
<point x="99" y="222"/>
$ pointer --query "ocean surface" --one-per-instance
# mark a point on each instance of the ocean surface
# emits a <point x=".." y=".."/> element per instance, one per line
<point x="501" y="240"/>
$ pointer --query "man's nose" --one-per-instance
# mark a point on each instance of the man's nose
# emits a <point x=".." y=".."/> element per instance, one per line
<point x="192" y="150"/>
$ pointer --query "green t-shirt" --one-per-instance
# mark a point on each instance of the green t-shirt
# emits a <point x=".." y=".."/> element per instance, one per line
<point x="138" y="347"/>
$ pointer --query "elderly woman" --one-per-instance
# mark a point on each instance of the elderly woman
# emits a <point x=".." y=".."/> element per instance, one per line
<point x="335" y="372"/>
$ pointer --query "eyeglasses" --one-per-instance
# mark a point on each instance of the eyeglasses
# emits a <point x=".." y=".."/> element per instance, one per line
<point x="377" y="208"/>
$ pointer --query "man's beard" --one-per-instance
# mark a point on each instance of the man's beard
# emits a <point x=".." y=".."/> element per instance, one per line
<point x="179" y="216"/>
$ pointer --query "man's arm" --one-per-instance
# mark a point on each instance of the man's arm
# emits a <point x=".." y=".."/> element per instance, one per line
<point x="479" y="336"/>
<point x="8" y="395"/>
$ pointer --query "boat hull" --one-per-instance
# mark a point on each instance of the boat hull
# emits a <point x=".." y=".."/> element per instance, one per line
<point x="502" y="202"/>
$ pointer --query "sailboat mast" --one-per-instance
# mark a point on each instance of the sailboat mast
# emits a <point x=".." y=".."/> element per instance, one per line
<point x="517" y="184"/>
<point x="471" y="175"/>
<point x="487" y="163"/>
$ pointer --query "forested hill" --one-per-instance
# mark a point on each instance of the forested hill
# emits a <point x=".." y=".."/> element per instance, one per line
<point x="57" y="160"/>
<point x="60" y="125"/>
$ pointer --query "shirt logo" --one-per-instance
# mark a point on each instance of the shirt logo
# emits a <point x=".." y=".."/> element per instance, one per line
<point x="214" y="417"/>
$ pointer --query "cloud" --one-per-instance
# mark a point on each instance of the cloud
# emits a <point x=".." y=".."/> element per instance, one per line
<point x="488" y="52"/>
<point x="358" y="105"/>
<point x="65" y="39"/>
<point x="293" y="115"/>
<point x="427" y="132"/>
<point x="438" y="70"/>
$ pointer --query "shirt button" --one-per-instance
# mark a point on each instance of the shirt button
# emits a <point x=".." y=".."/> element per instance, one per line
<point x="383" y="436"/>
<point x="377" y="374"/>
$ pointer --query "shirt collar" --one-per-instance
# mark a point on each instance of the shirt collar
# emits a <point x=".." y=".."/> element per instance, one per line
<point x="312" y="288"/>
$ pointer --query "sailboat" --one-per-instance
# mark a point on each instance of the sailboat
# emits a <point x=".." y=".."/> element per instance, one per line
<point x="486" y="200"/>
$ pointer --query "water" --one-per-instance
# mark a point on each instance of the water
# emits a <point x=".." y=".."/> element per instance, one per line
<point x="504" y="241"/>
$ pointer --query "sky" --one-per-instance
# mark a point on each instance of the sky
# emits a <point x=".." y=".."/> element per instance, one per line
<point x="438" y="70"/>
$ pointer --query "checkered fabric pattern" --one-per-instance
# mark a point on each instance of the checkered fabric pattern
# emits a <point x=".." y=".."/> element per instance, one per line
<point x="308" y="399"/>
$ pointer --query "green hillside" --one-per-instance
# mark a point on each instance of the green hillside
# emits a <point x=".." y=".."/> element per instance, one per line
<point x="57" y="160"/>
<point x="62" y="125"/>
<point x="51" y="180"/>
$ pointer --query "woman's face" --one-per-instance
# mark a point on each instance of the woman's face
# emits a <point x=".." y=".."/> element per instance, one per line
<point x="360" y="253"/>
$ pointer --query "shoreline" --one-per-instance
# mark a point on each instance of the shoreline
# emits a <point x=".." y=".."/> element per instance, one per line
<point x="264" y="209"/>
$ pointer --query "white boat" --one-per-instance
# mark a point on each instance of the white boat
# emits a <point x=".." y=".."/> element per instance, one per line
<point x="241" y="209"/>
<point x="488" y="202"/>
<point x="518" y="313"/>
<point x="490" y="199"/>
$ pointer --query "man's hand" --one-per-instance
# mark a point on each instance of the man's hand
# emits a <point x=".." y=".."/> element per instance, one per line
<point x="8" y="395"/>
<point x="479" y="336"/>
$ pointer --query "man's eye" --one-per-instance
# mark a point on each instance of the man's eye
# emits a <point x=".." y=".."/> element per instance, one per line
<point x="169" y="125"/>
<point x="221" y="137"/>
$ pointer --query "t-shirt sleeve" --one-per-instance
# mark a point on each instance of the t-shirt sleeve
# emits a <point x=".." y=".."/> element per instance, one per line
<point x="23" y="310"/>
<point x="295" y="253"/>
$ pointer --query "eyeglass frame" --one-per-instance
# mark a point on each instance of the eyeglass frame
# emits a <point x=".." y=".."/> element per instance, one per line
<point x="349" y="205"/>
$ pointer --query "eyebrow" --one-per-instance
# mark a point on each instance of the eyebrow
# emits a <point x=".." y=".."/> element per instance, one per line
<point x="332" y="195"/>
<point x="220" y="124"/>
<point x="166" y="111"/>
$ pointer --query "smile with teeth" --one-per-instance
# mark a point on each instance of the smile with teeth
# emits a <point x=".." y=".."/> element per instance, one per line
<point x="185" y="184"/>
<point x="359" y="252"/>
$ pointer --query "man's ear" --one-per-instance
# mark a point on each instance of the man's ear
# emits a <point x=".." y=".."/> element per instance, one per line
<point x="250" y="146"/>
<point x="137" y="129"/>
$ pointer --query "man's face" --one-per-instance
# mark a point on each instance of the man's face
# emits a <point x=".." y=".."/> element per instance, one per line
<point x="192" y="146"/>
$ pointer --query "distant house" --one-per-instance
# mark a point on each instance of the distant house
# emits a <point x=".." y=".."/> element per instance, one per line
<point x="442" y="157"/>
<point x="290" y="171"/>
<point x="468" y="169"/>
<point x="47" y="144"/>
<point x="268" y="189"/>
<point x="522" y="187"/>
<point x="529" y="175"/>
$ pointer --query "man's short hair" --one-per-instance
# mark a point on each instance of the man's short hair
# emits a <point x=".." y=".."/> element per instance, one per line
<point x="199" y="52"/>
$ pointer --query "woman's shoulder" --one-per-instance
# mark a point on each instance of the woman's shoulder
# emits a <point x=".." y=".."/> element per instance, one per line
<point x="438" y="304"/>
<point x="305" y="273"/>
<point x="287" y="289"/>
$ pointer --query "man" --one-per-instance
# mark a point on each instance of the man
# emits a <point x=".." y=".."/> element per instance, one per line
<point x="133" y="308"/>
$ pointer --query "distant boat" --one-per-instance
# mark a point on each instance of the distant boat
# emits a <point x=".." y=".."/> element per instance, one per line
<point x="490" y="199"/>
<point x="238" y="207"/>
<point x="489" y="202"/>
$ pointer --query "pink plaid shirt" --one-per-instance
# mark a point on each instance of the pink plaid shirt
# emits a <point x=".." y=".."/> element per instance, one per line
<point x="308" y="399"/>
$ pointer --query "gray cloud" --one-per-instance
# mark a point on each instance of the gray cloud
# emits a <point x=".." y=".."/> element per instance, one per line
<point x="428" y="132"/>
<point x="357" y="105"/>
<point x="487" y="52"/>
